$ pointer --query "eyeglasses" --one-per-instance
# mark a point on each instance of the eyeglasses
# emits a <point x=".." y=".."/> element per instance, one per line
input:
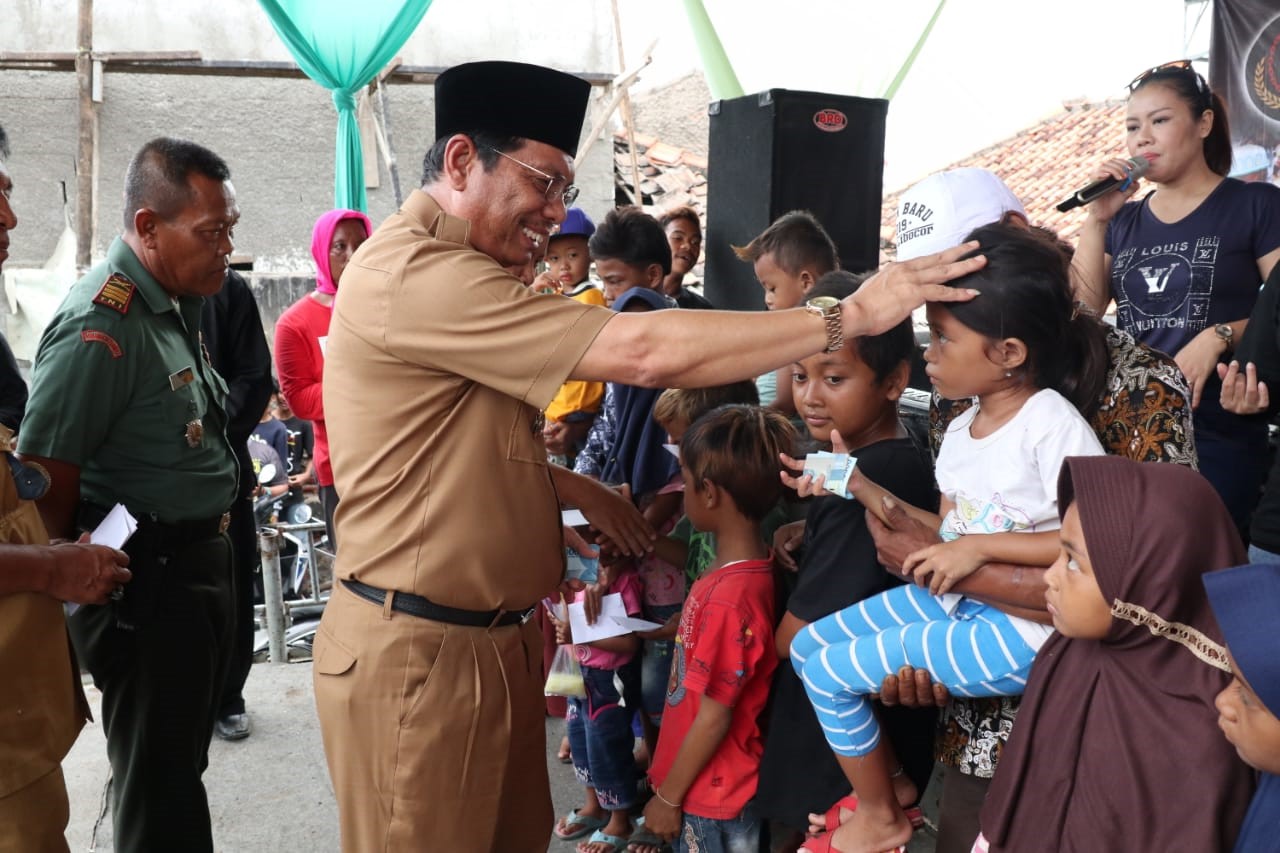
<point x="1178" y="66"/>
<point x="567" y="194"/>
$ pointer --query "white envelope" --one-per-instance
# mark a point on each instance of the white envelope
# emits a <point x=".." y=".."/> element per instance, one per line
<point x="116" y="528"/>
<point x="572" y="518"/>
<point x="613" y="621"/>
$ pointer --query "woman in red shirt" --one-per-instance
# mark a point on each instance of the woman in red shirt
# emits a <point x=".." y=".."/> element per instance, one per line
<point x="301" y="334"/>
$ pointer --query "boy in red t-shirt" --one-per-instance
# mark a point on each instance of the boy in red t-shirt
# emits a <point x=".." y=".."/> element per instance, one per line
<point x="704" y="771"/>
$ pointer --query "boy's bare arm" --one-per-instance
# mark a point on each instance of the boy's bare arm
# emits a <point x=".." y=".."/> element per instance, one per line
<point x="876" y="499"/>
<point x="786" y="631"/>
<point x="663" y="507"/>
<point x="671" y="551"/>
<point x="700" y="743"/>
<point x="623" y="644"/>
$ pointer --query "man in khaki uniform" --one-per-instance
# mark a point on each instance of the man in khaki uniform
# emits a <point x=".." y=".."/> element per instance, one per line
<point x="438" y="363"/>
<point x="42" y="706"/>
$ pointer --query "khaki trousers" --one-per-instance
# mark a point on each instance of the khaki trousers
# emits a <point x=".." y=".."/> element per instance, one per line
<point x="434" y="733"/>
<point x="34" y="819"/>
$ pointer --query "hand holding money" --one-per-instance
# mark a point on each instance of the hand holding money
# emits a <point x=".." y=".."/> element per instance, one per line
<point x="831" y="472"/>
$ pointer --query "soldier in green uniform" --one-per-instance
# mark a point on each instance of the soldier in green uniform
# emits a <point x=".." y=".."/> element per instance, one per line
<point x="125" y="408"/>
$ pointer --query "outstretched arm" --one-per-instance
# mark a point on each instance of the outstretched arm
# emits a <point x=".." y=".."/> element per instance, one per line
<point x="873" y="497"/>
<point x="698" y="349"/>
<point x="609" y="512"/>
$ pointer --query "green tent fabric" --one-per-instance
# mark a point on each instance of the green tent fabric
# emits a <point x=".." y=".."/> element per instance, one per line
<point x="342" y="46"/>
<point x="721" y="79"/>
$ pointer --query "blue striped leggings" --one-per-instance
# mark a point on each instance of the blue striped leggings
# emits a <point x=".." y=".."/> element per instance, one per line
<point x="976" y="651"/>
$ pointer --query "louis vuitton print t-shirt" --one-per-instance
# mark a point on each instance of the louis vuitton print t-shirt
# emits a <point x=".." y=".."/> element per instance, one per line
<point x="1173" y="280"/>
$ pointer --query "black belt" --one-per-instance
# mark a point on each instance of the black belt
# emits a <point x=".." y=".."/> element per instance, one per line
<point x="423" y="608"/>
<point x="194" y="530"/>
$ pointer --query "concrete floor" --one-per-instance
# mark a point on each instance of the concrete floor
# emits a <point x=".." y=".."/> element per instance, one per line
<point x="270" y="793"/>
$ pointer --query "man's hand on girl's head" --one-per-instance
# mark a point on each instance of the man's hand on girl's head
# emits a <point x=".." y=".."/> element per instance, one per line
<point x="888" y="297"/>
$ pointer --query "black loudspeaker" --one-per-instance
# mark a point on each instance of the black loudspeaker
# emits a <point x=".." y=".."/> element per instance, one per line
<point x="782" y="150"/>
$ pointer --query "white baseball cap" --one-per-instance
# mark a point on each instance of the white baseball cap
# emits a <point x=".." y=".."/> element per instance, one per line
<point x="940" y="211"/>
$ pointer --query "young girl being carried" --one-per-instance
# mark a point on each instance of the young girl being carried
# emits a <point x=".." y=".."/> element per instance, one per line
<point x="1030" y="360"/>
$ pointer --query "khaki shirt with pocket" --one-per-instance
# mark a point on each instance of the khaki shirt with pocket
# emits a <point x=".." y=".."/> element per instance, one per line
<point x="437" y="367"/>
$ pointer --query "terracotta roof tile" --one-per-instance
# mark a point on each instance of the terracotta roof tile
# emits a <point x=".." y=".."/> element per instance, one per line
<point x="670" y="177"/>
<point x="643" y="140"/>
<point x="1041" y="164"/>
<point x="695" y="161"/>
<point x="663" y="154"/>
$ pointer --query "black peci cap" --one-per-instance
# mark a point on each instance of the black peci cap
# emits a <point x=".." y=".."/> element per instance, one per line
<point x="512" y="99"/>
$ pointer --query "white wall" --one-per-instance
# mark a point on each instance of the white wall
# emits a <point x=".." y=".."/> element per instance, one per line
<point x="573" y="35"/>
<point x="276" y="134"/>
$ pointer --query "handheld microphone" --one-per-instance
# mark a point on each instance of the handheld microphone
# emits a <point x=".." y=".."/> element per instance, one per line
<point x="1137" y="168"/>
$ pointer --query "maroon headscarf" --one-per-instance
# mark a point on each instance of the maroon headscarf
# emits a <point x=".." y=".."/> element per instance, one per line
<point x="1116" y="745"/>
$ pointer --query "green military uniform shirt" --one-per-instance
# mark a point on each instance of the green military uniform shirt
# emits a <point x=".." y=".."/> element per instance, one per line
<point x="121" y="387"/>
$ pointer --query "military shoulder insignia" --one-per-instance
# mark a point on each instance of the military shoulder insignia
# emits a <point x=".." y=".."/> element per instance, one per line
<point x="116" y="293"/>
<point x="94" y="336"/>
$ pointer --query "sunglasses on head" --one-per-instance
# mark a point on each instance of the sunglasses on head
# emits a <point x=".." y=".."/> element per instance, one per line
<point x="1170" y="69"/>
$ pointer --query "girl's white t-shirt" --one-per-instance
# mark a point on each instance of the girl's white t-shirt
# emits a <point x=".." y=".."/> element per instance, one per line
<point x="1008" y="481"/>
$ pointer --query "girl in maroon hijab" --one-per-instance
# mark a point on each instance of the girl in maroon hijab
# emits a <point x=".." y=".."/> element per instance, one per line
<point x="301" y="334"/>
<point x="1116" y="746"/>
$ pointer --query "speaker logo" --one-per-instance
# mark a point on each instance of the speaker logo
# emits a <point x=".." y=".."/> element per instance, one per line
<point x="832" y="121"/>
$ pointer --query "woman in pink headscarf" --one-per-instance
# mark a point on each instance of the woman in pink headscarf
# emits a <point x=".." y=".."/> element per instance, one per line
<point x="302" y="331"/>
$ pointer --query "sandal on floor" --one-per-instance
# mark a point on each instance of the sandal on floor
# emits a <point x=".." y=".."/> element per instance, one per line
<point x="831" y="820"/>
<point x="616" y="844"/>
<point x="643" y="836"/>
<point x="585" y="824"/>
<point x="822" y="844"/>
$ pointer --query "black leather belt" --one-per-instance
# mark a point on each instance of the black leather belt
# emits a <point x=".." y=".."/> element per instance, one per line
<point x="177" y="532"/>
<point x="192" y="530"/>
<point x="423" y="608"/>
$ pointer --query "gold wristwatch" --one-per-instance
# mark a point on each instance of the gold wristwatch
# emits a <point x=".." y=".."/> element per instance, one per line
<point x="1226" y="334"/>
<point x="828" y="308"/>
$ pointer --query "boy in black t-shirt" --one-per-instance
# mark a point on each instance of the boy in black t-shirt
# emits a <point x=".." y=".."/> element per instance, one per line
<point x="854" y="392"/>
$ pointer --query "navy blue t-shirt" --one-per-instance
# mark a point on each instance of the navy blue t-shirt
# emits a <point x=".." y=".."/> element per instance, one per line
<point x="1171" y="281"/>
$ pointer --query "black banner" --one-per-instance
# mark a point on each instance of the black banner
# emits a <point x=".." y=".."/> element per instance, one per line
<point x="1244" y="68"/>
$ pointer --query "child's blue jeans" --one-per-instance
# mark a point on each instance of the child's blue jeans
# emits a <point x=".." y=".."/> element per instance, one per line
<point x="707" y="835"/>
<point x="655" y="665"/>
<point x="601" y="741"/>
